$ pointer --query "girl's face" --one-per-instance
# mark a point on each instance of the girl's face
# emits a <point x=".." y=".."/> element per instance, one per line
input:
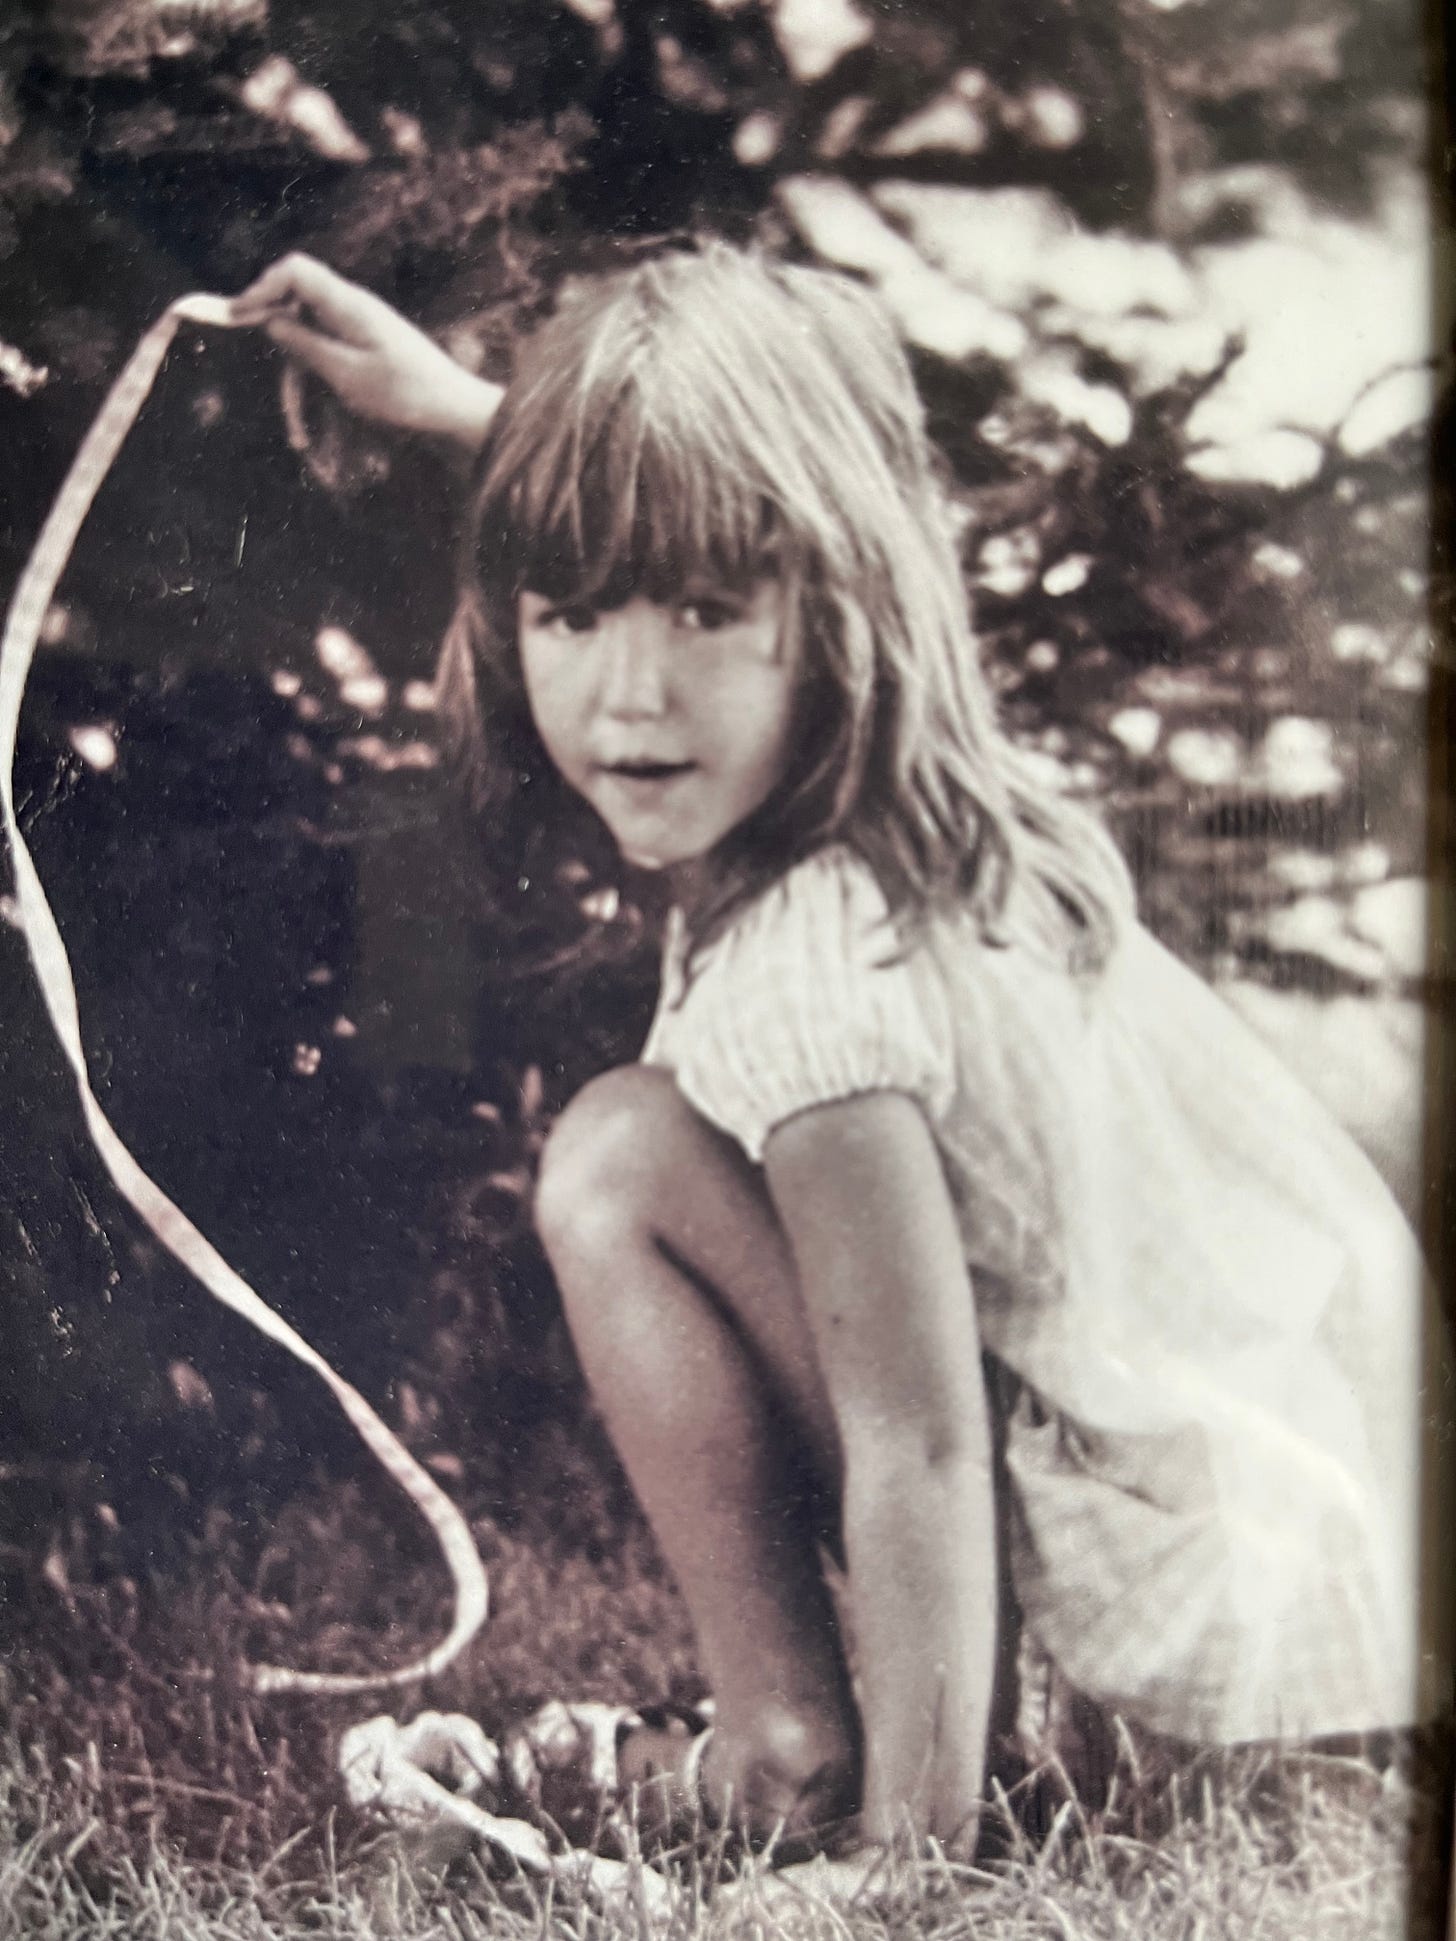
<point x="673" y="721"/>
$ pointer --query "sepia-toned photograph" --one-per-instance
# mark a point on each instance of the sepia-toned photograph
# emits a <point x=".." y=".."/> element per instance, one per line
<point x="725" y="1069"/>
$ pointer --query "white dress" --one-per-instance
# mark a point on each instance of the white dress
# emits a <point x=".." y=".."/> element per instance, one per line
<point x="1217" y="1312"/>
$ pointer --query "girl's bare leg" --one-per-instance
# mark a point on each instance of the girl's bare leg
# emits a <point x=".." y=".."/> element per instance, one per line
<point x="683" y="1304"/>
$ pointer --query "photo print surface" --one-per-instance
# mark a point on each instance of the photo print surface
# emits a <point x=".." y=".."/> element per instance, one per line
<point x="728" y="782"/>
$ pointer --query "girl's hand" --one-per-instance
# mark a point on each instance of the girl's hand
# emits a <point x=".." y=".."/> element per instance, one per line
<point x="379" y="364"/>
<point x="844" y="1877"/>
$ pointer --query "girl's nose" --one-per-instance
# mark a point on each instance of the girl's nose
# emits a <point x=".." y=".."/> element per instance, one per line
<point x="634" y="649"/>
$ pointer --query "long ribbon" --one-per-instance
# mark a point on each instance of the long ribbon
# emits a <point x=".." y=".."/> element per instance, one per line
<point x="48" y="952"/>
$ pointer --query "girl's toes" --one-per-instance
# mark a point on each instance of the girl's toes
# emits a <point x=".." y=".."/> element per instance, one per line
<point x="576" y="1765"/>
<point x="661" y="1771"/>
<point x="563" y="1762"/>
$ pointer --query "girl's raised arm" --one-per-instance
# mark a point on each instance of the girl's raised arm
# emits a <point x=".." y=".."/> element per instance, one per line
<point x="862" y="1196"/>
<point x="379" y="363"/>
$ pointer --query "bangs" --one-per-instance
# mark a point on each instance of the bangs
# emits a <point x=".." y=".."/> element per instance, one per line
<point x="702" y="418"/>
<point x="624" y="483"/>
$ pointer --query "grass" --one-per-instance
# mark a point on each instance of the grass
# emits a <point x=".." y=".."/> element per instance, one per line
<point x="146" y="1795"/>
<point x="1328" y="1863"/>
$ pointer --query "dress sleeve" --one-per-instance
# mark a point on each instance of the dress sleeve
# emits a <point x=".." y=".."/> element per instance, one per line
<point x="808" y="1000"/>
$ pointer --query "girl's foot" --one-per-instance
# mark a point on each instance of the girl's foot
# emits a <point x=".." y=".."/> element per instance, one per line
<point x="661" y="1775"/>
<point x="582" y="1766"/>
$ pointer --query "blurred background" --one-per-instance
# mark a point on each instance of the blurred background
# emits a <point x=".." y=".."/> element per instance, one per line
<point x="1165" y="270"/>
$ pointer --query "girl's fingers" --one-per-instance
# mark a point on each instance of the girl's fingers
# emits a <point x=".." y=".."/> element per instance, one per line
<point x="275" y="289"/>
<point x="300" y="282"/>
<point x="379" y="364"/>
<point x="843" y="1878"/>
<point x="334" y="361"/>
<point x="341" y="307"/>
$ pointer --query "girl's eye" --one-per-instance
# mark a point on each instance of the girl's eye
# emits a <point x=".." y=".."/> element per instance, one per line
<point x="708" y="615"/>
<point x="570" y="619"/>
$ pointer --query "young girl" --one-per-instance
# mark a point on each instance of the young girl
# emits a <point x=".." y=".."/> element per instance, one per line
<point x="947" y="1226"/>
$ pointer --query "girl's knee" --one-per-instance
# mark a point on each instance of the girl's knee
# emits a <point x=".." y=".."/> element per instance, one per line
<point x="599" y="1169"/>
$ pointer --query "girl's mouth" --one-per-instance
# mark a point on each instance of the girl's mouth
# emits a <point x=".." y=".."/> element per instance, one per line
<point x="645" y="771"/>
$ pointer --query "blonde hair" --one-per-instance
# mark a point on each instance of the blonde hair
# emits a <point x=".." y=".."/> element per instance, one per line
<point x="716" y="416"/>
